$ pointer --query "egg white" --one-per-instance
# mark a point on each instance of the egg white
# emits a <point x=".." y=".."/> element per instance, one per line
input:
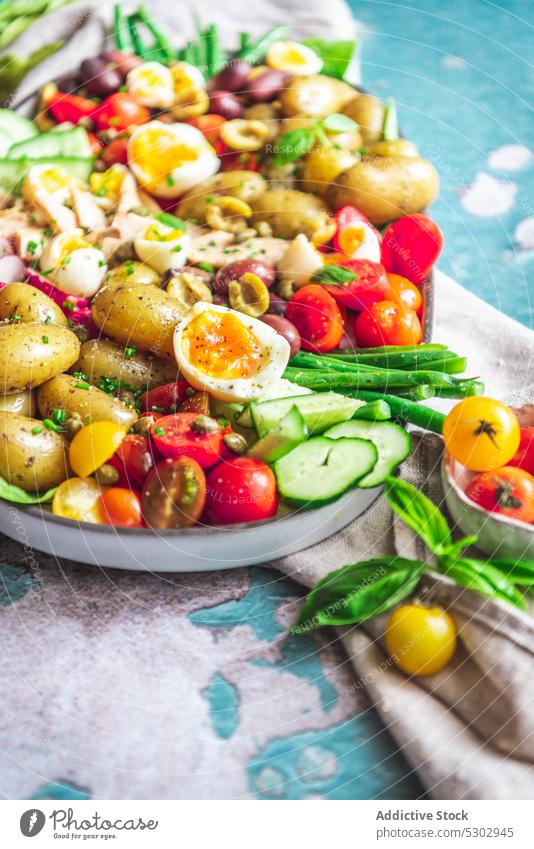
<point x="178" y="179"/>
<point x="282" y="57"/>
<point x="49" y="180"/>
<point x="369" y="243"/>
<point x="275" y="350"/>
<point x="163" y="255"/>
<point x="152" y="85"/>
<point x="77" y="272"/>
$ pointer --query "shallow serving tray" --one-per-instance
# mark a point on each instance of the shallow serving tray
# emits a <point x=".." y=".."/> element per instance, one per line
<point x="201" y="549"/>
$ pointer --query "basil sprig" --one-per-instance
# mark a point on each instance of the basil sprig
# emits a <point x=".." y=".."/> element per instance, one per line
<point x="336" y="275"/>
<point x="336" y="55"/>
<point x="359" y="591"/>
<point x="295" y="144"/>
<point x="9" y="492"/>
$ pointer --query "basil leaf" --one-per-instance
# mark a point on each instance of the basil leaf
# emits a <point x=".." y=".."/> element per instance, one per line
<point x="518" y="571"/>
<point x="338" y="123"/>
<point x="484" y="578"/>
<point x="336" y="55"/>
<point x="390" y="127"/>
<point x="335" y="274"/>
<point x="455" y="550"/>
<point x="293" y="145"/>
<point x="19" y="496"/>
<point x="358" y="592"/>
<point x="420" y="514"/>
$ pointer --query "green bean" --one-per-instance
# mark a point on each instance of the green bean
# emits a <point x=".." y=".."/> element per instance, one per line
<point x="368" y="378"/>
<point x="256" y="51"/>
<point x="402" y="409"/>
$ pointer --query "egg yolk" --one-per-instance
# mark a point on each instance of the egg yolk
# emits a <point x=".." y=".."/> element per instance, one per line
<point x="350" y="239"/>
<point x="183" y="84"/>
<point x="68" y="246"/>
<point x="293" y="57"/>
<point x="53" y="180"/>
<point x="220" y="345"/>
<point x="154" y="234"/>
<point x="147" y="80"/>
<point x="108" y="184"/>
<point x="158" y="154"/>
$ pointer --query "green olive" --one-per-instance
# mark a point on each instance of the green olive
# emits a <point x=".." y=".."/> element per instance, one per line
<point x="187" y="288"/>
<point x="133" y="272"/>
<point x="249" y="295"/>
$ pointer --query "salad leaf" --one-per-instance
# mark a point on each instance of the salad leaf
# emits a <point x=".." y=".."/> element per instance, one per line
<point x="336" y="55"/>
<point x="293" y="145"/>
<point x="338" y="123"/>
<point x="486" y="579"/>
<point x="9" y="492"/>
<point x="334" y="274"/>
<point x="521" y="572"/>
<point x="419" y="513"/>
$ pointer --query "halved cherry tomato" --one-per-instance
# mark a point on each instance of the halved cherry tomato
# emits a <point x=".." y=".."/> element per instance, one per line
<point x="121" y="507"/>
<point x="508" y="491"/>
<point x="317" y="318"/>
<point x="166" y="398"/>
<point x="174" y="494"/>
<point x="78" y="499"/>
<point x="116" y="152"/>
<point x="71" y="107"/>
<point x="481" y="433"/>
<point x="119" y="111"/>
<point x="387" y="323"/>
<point x="411" y="246"/>
<point x="369" y="285"/>
<point x="175" y="436"/>
<point x="403" y="290"/>
<point x="210" y="126"/>
<point x="346" y="216"/>
<point x="196" y="402"/>
<point x="524" y="456"/>
<point x="242" y="489"/>
<point x="93" y="445"/>
<point x="133" y="461"/>
<point x="239" y="161"/>
<point x="96" y="144"/>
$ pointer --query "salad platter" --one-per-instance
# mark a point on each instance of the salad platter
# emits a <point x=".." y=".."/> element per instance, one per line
<point x="215" y="302"/>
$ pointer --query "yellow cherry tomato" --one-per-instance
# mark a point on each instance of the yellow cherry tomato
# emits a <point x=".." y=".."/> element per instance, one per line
<point x="94" y="445"/>
<point x="421" y="640"/>
<point x="481" y="433"/>
<point x="78" y="499"/>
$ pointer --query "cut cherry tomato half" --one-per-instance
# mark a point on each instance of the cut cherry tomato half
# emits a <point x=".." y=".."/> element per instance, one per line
<point x="119" y="111"/>
<point x="317" y="317"/>
<point x="116" y="152"/>
<point x="241" y="489"/>
<point x="71" y="108"/>
<point x="174" y="494"/>
<point x="411" y="246"/>
<point x="387" y="323"/>
<point x="166" y="398"/>
<point x="121" y="507"/>
<point x="175" y="436"/>
<point x="370" y="284"/>
<point x="133" y="460"/>
<point x="93" y="445"/>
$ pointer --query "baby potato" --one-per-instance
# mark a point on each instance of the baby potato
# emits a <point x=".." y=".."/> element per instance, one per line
<point x="66" y="392"/>
<point x="23" y="403"/>
<point x="139" y="370"/>
<point x="245" y="185"/>
<point x="29" y="304"/>
<point x="384" y="188"/>
<point x="290" y="212"/>
<point x="132" y="272"/>
<point x="139" y="315"/>
<point x="31" y="456"/>
<point x="393" y="148"/>
<point x="315" y="95"/>
<point x="322" y="166"/>
<point x="30" y="354"/>
<point x="368" y="112"/>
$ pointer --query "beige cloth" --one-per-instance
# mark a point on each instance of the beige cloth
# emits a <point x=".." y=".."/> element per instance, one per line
<point x="469" y="730"/>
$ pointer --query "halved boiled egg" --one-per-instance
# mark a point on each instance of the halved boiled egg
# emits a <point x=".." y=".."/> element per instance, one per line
<point x="106" y="185"/>
<point x="359" y="240"/>
<point x="162" y="247"/>
<point x="227" y="353"/>
<point x="187" y="80"/>
<point x="152" y="85"/>
<point x="169" y="159"/>
<point x="73" y="264"/>
<point x="49" y="179"/>
<point x="293" y="57"/>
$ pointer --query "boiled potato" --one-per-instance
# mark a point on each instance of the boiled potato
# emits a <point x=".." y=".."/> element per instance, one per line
<point x="29" y="304"/>
<point x="290" y="212"/>
<point x="315" y="95"/>
<point x="368" y="112"/>
<point x="33" y="353"/>
<point x="139" y="370"/>
<point x="31" y="456"/>
<point x="23" y="403"/>
<point x="133" y="272"/>
<point x="135" y="314"/>
<point x="245" y="185"/>
<point x="322" y="166"/>
<point x="384" y="188"/>
<point x="66" y="392"/>
<point x="393" y="148"/>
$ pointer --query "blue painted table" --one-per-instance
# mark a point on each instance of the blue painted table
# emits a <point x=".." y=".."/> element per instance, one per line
<point x="157" y="689"/>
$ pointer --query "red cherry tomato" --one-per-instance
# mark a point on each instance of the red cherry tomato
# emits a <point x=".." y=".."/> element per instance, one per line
<point x="241" y="490"/>
<point x="119" y="111"/>
<point x="524" y="457"/>
<point x="404" y="292"/>
<point x="96" y="144"/>
<point x="387" y="323"/>
<point x="71" y="107"/>
<point x="166" y="398"/>
<point x="411" y="246"/>
<point x="174" y="437"/>
<point x="346" y="216"/>
<point x="508" y="491"/>
<point x="116" y="152"/>
<point x="133" y="460"/>
<point x="121" y="507"/>
<point x="239" y="161"/>
<point x="210" y="127"/>
<point x="369" y="285"/>
<point x="317" y="318"/>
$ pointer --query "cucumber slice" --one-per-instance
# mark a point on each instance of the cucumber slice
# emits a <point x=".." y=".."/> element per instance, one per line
<point x="283" y="388"/>
<point x="320" y="411"/>
<point x="72" y="142"/>
<point x="321" y="469"/>
<point x="13" y="171"/>
<point x="5" y="143"/>
<point x="16" y="126"/>
<point x="288" y="433"/>
<point x="392" y="442"/>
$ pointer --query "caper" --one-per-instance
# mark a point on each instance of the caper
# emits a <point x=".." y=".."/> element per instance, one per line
<point x="204" y="424"/>
<point x="235" y="443"/>
<point x="143" y="424"/>
<point x="107" y="475"/>
<point x="72" y="425"/>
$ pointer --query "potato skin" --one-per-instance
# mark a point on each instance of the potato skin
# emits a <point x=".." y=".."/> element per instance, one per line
<point x="368" y="112"/>
<point x="30" y="304"/>
<point x="245" y="185"/>
<point x="105" y="358"/>
<point x="322" y="166"/>
<point x="64" y="392"/>
<point x="133" y="272"/>
<point x="23" y="403"/>
<point x="393" y="148"/>
<point x="137" y="314"/>
<point x="290" y="212"/>
<point x="316" y="96"/>
<point x="26" y="360"/>
<point x="34" y="461"/>
<point x="384" y="188"/>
